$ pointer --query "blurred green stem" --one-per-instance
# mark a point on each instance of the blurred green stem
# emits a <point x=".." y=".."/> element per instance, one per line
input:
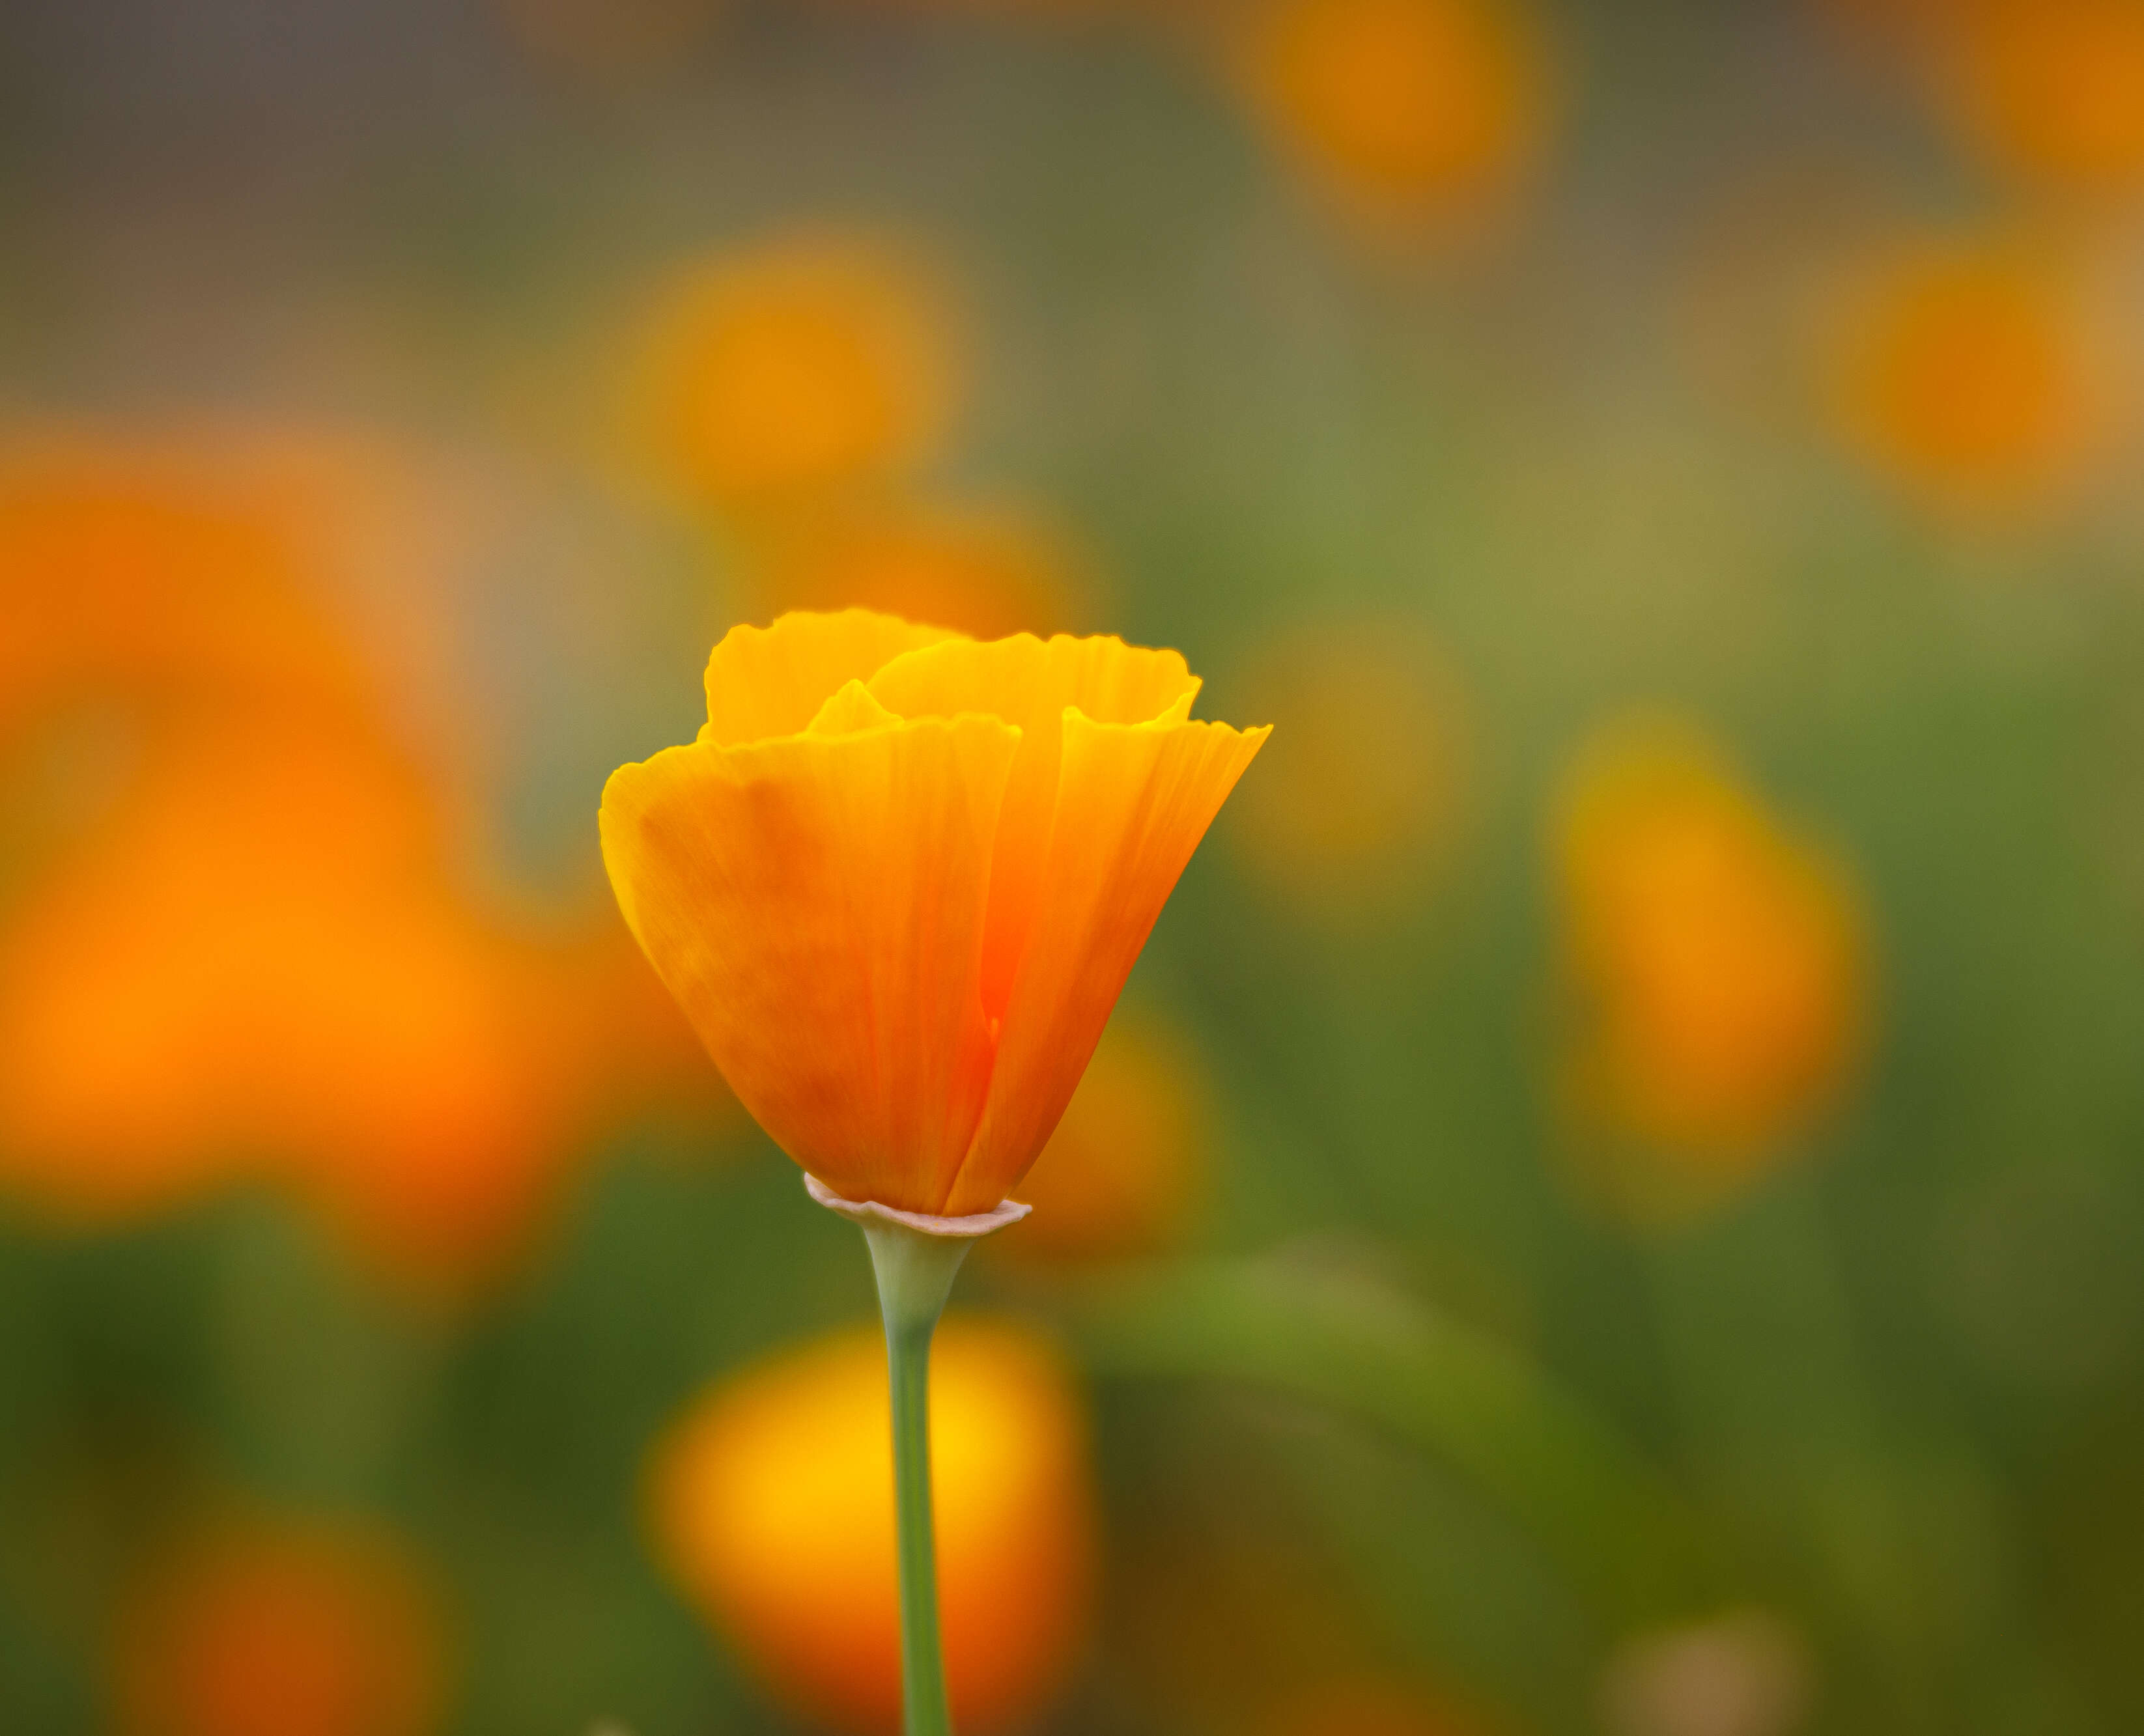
<point x="1350" y="1345"/>
<point x="915" y="1272"/>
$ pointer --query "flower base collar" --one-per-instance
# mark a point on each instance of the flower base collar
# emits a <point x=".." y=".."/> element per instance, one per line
<point x="869" y="1212"/>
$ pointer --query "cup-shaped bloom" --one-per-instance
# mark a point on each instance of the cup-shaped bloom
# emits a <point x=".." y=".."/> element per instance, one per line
<point x="900" y="878"/>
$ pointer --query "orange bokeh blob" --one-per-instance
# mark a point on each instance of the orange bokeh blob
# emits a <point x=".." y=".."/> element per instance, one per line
<point x="254" y="969"/>
<point x="1969" y="373"/>
<point x="772" y="1501"/>
<point x="1720" y="962"/>
<point x="251" y="953"/>
<point x="1365" y="777"/>
<point x="985" y="573"/>
<point x="2050" y="90"/>
<point x="1124" y="1170"/>
<point x="1403" y="108"/>
<point x="121" y="572"/>
<point x="258" y="1630"/>
<point x="808" y="363"/>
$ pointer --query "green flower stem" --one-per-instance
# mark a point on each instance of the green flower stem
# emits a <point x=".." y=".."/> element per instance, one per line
<point x="914" y="1256"/>
<point x="915" y="1272"/>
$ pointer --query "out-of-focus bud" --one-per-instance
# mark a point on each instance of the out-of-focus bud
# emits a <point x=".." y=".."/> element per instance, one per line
<point x="1743" y="1674"/>
<point x="988" y="573"/>
<point x="1363" y="780"/>
<point x="810" y="363"/>
<point x="1403" y="109"/>
<point x="1719" y="962"/>
<point x="772" y="1501"/>
<point x="282" y="1629"/>
<point x="1123" y="1172"/>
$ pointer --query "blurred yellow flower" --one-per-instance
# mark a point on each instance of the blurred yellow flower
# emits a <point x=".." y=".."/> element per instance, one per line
<point x="1403" y="108"/>
<point x="2052" y="89"/>
<point x="772" y="1501"/>
<point x="900" y="878"/>
<point x="806" y="363"/>
<point x="1367" y="780"/>
<point x="987" y="573"/>
<point x="1969" y="372"/>
<point x="1719" y="961"/>
<point x="1125" y="1168"/>
<point x="282" y="1629"/>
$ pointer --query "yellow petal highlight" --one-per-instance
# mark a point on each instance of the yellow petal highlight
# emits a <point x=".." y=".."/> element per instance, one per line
<point x="1132" y="803"/>
<point x="1031" y="682"/>
<point x="764" y="682"/>
<point x="817" y="905"/>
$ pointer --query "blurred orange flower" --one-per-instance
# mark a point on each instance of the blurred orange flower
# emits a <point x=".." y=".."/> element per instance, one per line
<point x="1720" y="961"/>
<point x="123" y="571"/>
<point x="252" y="955"/>
<point x="282" y="1629"/>
<point x="256" y="966"/>
<point x="899" y="881"/>
<point x="1367" y="781"/>
<point x="1403" y="108"/>
<point x="1124" y="1170"/>
<point x="1971" y="373"/>
<point x="809" y="362"/>
<point x="2052" y="89"/>
<point x="982" y="572"/>
<point x="772" y="1505"/>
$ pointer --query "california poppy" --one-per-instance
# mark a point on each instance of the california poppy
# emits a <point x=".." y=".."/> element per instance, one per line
<point x="900" y="876"/>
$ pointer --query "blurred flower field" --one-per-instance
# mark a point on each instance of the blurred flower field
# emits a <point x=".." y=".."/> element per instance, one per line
<point x="1615" y="1199"/>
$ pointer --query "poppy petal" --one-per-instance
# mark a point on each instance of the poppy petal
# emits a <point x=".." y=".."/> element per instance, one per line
<point x="1031" y="682"/>
<point x="764" y="682"/>
<point x="816" y="905"/>
<point x="1132" y="803"/>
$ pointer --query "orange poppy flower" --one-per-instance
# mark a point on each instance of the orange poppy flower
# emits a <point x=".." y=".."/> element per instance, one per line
<point x="902" y="875"/>
<point x="772" y="1503"/>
